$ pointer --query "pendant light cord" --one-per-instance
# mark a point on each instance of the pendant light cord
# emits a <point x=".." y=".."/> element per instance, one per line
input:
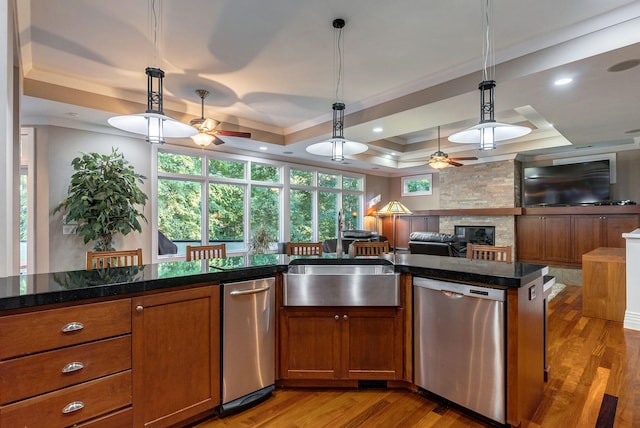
<point x="487" y="42"/>
<point x="153" y="23"/>
<point x="337" y="62"/>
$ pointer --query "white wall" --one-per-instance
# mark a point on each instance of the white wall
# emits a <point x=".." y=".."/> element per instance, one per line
<point x="68" y="252"/>
<point x="9" y="144"/>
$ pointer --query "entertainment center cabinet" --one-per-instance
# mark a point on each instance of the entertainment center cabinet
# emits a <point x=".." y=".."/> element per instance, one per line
<point x="561" y="235"/>
<point x="545" y="235"/>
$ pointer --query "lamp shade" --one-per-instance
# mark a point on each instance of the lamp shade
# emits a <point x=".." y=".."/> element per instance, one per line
<point x="394" y="207"/>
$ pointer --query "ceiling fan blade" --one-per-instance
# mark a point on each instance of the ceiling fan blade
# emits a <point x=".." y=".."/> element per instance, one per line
<point x="454" y="163"/>
<point x="468" y="158"/>
<point x="232" y="133"/>
<point x="217" y="141"/>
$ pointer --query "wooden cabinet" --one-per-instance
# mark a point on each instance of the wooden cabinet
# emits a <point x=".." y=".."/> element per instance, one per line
<point x="341" y="343"/>
<point x="405" y="224"/>
<point x="66" y="366"/>
<point x="563" y="239"/>
<point x="176" y="355"/>
<point x="544" y="238"/>
<point x="593" y="231"/>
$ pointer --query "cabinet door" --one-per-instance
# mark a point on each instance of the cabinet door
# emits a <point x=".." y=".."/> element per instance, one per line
<point x="176" y="355"/>
<point x="374" y="343"/>
<point x="615" y="226"/>
<point x="309" y="343"/>
<point x="403" y="229"/>
<point x="529" y="238"/>
<point x="586" y="235"/>
<point x="557" y="238"/>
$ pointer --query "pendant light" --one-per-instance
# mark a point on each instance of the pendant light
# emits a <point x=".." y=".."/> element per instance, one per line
<point x="488" y="131"/>
<point x="337" y="146"/>
<point x="153" y="123"/>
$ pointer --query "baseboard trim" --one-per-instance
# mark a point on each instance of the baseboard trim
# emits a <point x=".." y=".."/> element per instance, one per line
<point x="632" y="320"/>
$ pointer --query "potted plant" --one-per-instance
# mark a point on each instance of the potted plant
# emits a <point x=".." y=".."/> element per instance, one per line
<point x="260" y="242"/>
<point x="103" y="198"/>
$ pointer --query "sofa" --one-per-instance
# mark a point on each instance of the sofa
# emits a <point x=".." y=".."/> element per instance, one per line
<point x="434" y="243"/>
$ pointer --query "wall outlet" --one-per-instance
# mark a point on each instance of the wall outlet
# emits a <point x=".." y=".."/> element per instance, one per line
<point x="532" y="292"/>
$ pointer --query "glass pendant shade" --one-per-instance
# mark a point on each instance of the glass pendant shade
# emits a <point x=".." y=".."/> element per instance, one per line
<point x="438" y="162"/>
<point x="202" y="139"/>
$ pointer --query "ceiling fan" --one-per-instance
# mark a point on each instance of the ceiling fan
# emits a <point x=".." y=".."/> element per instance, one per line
<point x="207" y="132"/>
<point x="440" y="160"/>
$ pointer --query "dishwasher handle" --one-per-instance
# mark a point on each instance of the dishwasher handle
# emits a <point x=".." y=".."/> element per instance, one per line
<point x="452" y="294"/>
<point x="250" y="291"/>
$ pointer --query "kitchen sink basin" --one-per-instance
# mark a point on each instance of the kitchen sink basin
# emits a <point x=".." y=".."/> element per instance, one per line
<point x="341" y="285"/>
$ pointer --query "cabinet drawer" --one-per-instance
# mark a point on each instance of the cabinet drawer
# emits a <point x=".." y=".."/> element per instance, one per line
<point x="120" y="419"/>
<point x="25" y="334"/>
<point x="36" y="374"/>
<point x="97" y="397"/>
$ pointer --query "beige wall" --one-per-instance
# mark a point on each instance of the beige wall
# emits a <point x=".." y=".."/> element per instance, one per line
<point x="68" y="252"/>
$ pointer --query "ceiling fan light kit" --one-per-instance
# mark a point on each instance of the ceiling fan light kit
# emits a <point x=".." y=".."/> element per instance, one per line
<point x="206" y="127"/>
<point x="488" y="131"/>
<point x="440" y="160"/>
<point x="337" y="146"/>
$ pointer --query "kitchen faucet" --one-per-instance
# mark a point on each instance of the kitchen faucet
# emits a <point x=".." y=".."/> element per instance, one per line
<point x="339" y="250"/>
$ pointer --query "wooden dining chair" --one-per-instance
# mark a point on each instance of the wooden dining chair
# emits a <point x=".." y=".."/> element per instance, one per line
<point x="365" y="248"/>
<point x="198" y="252"/>
<point x="489" y="252"/>
<point x="107" y="259"/>
<point x="304" y="248"/>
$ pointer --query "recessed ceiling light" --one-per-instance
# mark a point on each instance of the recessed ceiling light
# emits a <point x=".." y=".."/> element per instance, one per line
<point x="378" y="129"/>
<point x="263" y="148"/>
<point x="563" y="81"/>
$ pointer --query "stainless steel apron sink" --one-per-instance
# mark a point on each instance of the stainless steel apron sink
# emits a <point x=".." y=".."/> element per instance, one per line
<point x="341" y="285"/>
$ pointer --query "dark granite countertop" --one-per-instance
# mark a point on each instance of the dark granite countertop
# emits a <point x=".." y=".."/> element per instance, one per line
<point x="18" y="292"/>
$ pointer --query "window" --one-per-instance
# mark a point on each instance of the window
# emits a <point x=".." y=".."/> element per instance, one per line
<point x="212" y="197"/>
<point x="417" y="185"/>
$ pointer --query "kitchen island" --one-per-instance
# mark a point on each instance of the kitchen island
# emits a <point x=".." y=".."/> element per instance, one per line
<point x="153" y="297"/>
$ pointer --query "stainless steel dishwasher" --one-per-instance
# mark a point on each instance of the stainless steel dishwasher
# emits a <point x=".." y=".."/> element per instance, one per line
<point x="459" y="344"/>
<point x="248" y="344"/>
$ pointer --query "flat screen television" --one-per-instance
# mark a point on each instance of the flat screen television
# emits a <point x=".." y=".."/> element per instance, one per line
<point x="571" y="184"/>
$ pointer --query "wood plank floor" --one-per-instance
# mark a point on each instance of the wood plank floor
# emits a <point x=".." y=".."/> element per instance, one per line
<point x="592" y="362"/>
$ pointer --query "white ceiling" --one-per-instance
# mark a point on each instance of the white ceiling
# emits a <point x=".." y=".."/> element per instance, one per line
<point x="410" y="66"/>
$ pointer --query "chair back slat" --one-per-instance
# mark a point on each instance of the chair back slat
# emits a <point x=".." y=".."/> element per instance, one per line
<point x="304" y="248"/>
<point x="489" y="252"/>
<point x="107" y="259"/>
<point x="365" y="248"/>
<point x="199" y="252"/>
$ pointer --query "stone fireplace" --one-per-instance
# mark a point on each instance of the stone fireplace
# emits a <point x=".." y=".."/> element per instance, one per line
<point x="480" y="187"/>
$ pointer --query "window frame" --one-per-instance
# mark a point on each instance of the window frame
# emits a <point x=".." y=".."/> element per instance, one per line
<point x="284" y="185"/>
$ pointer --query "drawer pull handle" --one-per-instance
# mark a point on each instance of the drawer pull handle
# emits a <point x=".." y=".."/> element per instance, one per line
<point x="72" y="367"/>
<point x="74" y="406"/>
<point x="72" y="326"/>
